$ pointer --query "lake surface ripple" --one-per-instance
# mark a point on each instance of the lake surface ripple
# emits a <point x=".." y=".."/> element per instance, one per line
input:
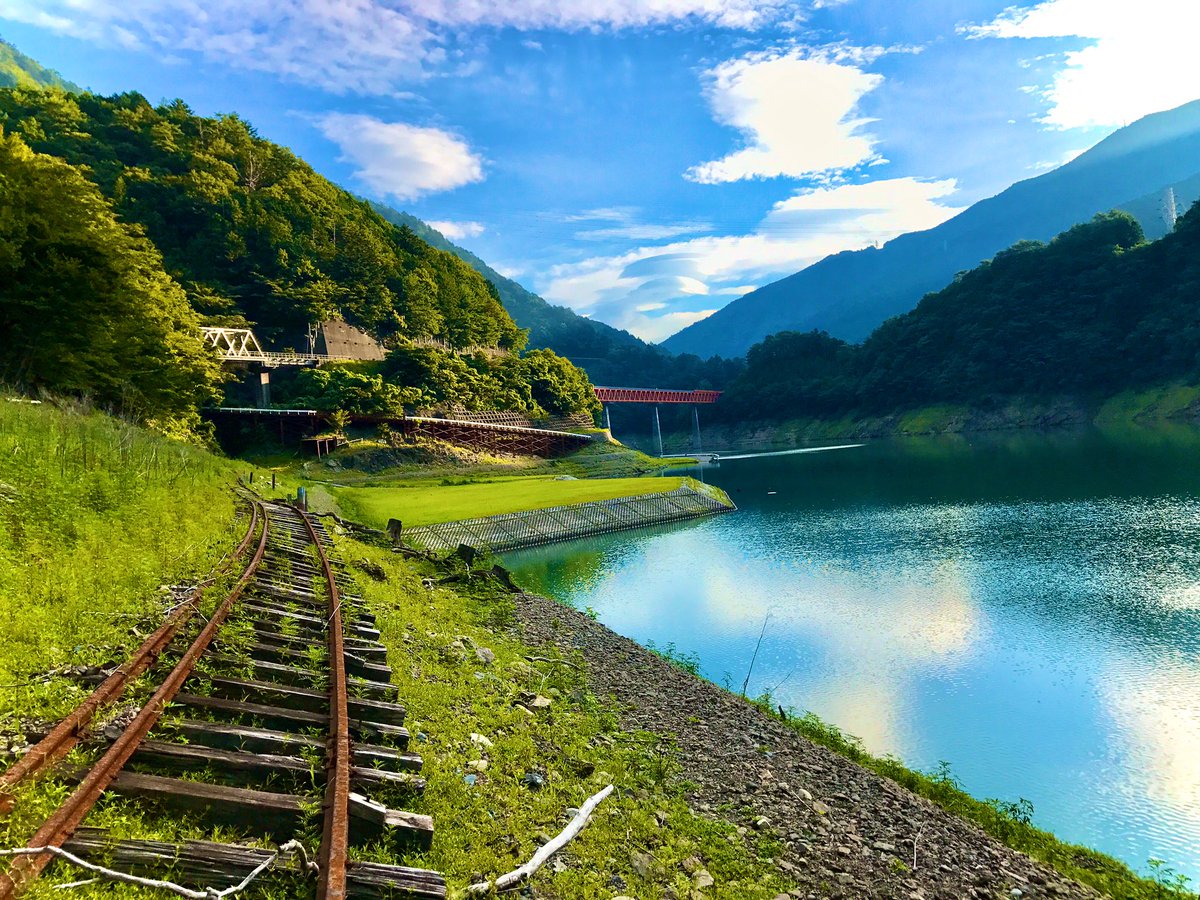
<point x="1026" y="608"/>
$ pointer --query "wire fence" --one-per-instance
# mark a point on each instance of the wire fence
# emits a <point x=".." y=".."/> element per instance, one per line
<point x="513" y="531"/>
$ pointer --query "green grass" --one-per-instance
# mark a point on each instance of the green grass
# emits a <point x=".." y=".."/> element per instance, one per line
<point x="492" y="826"/>
<point x="95" y="516"/>
<point x="931" y="419"/>
<point x="425" y="504"/>
<point x="1155" y="404"/>
<point x="429" y="459"/>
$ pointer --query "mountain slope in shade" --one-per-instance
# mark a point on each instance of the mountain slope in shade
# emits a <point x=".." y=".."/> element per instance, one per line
<point x="20" y="71"/>
<point x="556" y="327"/>
<point x="849" y="294"/>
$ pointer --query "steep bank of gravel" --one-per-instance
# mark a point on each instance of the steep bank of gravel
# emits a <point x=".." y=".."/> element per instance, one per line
<point x="848" y="832"/>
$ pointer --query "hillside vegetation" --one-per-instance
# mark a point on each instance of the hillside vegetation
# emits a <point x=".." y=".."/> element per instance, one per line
<point x="1094" y="312"/>
<point x="85" y="305"/>
<point x="140" y="221"/>
<point x="95" y="515"/>
<point x="19" y="70"/>
<point x="252" y="231"/>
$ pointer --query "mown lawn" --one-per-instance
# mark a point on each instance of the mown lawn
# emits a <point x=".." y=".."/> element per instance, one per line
<point x="425" y="504"/>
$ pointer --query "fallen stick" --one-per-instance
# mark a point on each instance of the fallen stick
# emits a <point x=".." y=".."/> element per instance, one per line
<point x="525" y="872"/>
<point x="547" y="659"/>
<point x="113" y="874"/>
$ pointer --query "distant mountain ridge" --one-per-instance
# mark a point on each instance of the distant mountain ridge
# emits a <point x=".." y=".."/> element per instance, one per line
<point x="19" y="70"/>
<point x="850" y="293"/>
<point x="556" y="327"/>
<point x="609" y="355"/>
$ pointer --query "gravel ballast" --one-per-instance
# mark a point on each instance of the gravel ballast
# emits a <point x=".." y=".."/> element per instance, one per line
<point x="848" y="831"/>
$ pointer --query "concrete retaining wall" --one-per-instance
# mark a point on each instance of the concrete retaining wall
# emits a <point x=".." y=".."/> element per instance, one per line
<point x="512" y="531"/>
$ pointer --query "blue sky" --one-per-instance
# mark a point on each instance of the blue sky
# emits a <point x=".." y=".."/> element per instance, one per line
<point x="645" y="162"/>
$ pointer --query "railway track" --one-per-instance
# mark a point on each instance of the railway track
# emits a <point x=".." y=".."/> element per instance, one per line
<point x="277" y="719"/>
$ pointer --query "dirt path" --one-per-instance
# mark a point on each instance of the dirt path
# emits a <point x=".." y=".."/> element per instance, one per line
<point x="849" y="832"/>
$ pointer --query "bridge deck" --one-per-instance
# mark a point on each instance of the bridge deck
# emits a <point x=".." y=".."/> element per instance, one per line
<point x="653" y="395"/>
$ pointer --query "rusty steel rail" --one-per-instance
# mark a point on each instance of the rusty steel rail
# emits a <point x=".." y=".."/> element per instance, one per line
<point x="335" y="835"/>
<point x="62" y="824"/>
<point x="67" y="733"/>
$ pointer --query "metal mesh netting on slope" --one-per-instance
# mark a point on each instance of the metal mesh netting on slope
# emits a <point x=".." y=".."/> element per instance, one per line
<point x="512" y="531"/>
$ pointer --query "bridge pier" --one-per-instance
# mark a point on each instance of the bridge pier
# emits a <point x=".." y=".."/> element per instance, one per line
<point x="657" y="432"/>
<point x="695" y="427"/>
<point x="262" y="388"/>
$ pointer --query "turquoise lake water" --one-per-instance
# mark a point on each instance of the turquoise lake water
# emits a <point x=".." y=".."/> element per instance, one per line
<point x="1026" y="608"/>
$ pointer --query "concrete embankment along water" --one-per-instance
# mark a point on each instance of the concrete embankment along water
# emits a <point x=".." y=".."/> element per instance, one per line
<point x="531" y="528"/>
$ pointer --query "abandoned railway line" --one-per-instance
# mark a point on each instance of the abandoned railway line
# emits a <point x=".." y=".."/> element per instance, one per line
<point x="275" y="719"/>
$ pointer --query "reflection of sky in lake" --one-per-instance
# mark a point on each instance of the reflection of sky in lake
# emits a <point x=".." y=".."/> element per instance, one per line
<point x="1047" y="645"/>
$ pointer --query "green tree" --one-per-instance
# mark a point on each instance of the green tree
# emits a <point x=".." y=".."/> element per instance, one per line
<point x="558" y="385"/>
<point x="85" y="305"/>
<point x="244" y="222"/>
<point x="338" y="388"/>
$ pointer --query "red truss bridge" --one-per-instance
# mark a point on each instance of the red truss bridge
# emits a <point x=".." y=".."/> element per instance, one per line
<point x="653" y="395"/>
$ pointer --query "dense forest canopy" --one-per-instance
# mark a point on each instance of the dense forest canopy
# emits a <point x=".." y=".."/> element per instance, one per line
<point x="19" y="70"/>
<point x="85" y="306"/>
<point x="124" y="225"/>
<point x="251" y="231"/>
<point x="1093" y="312"/>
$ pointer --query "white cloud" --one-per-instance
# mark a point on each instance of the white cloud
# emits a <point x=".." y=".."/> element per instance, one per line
<point x="1136" y="62"/>
<point x="865" y="213"/>
<point x="626" y="225"/>
<point x="576" y="14"/>
<point x="662" y="327"/>
<point x="456" y="231"/>
<point x="797" y="111"/>
<point x="400" y="160"/>
<point x="360" y="46"/>
<point x="643" y="232"/>
<point x="797" y="232"/>
<point x="342" y="45"/>
<point x="513" y="272"/>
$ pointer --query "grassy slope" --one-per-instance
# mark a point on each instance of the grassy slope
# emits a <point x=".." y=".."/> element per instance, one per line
<point x="493" y="825"/>
<point x="95" y="515"/>
<point x="424" y="504"/>
<point x="371" y="462"/>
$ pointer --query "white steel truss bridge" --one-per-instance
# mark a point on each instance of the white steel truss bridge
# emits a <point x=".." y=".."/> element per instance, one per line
<point x="239" y="345"/>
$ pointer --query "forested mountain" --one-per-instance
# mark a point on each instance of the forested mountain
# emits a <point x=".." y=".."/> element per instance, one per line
<point x="850" y="293"/>
<point x="609" y="355"/>
<point x="551" y="326"/>
<point x="85" y="305"/>
<point x="19" y="70"/>
<point x="126" y="223"/>
<point x="251" y="231"/>
<point x="1095" y="311"/>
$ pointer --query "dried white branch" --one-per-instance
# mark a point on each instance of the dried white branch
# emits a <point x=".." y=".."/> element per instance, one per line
<point x="205" y="894"/>
<point x="525" y="872"/>
<point x="547" y="659"/>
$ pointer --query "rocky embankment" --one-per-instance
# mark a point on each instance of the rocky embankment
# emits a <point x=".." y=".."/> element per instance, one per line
<point x="848" y="832"/>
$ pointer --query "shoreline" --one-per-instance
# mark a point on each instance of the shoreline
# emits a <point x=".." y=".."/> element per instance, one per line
<point x="1173" y="405"/>
<point x="844" y="830"/>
